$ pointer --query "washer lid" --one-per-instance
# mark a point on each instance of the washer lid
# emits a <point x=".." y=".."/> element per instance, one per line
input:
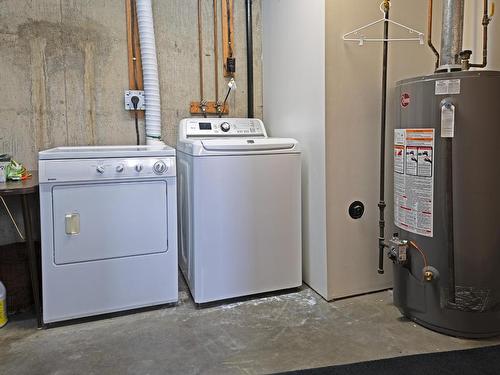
<point x="242" y="144"/>
<point x="90" y="152"/>
<point x="238" y="146"/>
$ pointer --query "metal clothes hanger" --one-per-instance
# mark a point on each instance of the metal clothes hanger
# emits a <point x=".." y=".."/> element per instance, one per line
<point x="357" y="36"/>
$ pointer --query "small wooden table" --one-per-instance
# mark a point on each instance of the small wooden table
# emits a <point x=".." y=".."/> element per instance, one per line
<point x="24" y="189"/>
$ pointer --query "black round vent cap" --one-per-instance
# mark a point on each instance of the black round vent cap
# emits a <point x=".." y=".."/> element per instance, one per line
<point x="356" y="209"/>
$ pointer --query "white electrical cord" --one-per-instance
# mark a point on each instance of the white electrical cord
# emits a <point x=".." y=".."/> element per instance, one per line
<point x="12" y="218"/>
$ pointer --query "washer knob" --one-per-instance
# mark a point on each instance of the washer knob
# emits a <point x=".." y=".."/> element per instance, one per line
<point x="159" y="167"/>
<point x="138" y="167"/>
<point x="225" y="127"/>
<point x="100" y="169"/>
<point x="119" y="168"/>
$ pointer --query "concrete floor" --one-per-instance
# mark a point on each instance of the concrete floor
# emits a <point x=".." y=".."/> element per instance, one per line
<point x="258" y="336"/>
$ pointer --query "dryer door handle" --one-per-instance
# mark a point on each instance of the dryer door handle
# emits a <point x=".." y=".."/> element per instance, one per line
<point x="72" y="224"/>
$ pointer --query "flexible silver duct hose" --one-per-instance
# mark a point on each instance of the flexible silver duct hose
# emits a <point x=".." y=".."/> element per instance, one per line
<point x="149" y="71"/>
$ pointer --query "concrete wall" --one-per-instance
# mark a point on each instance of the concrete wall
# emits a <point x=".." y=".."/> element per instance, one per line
<point x="63" y="71"/>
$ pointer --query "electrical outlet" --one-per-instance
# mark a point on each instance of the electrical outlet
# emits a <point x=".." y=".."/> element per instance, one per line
<point x="129" y="106"/>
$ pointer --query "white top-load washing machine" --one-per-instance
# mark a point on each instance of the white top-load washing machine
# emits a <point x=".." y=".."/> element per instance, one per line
<point x="239" y="209"/>
<point x="109" y="229"/>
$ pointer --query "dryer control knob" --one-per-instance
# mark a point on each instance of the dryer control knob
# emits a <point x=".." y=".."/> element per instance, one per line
<point x="119" y="168"/>
<point x="159" y="167"/>
<point x="100" y="169"/>
<point x="138" y="167"/>
<point x="225" y="126"/>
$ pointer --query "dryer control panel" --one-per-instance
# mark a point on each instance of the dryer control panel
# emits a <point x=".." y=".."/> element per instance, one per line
<point x="221" y="127"/>
<point x="106" y="169"/>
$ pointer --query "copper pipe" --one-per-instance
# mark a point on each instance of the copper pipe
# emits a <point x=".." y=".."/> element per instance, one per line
<point x="486" y="21"/>
<point x="200" y="50"/>
<point x="216" y="53"/>
<point x="429" y="33"/>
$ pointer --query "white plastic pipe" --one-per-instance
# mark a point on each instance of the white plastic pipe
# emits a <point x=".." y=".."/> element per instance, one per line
<point x="149" y="71"/>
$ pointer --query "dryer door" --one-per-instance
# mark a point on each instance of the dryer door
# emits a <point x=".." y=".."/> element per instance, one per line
<point x="109" y="220"/>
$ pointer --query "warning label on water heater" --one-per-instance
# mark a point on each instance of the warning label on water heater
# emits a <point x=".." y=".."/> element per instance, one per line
<point x="414" y="180"/>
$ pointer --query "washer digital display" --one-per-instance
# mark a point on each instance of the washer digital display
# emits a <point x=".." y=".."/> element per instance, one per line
<point x="205" y="126"/>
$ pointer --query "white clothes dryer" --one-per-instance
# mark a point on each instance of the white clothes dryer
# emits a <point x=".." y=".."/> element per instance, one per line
<point x="109" y="229"/>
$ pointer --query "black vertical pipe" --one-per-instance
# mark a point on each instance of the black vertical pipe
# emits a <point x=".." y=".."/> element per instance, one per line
<point x="249" y="26"/>
<point x="486" y="21"/>
<point x="382" y="204"/>
<point x="449" y="210"/>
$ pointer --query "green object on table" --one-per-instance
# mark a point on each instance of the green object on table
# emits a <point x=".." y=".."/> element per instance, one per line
<point x="15" y="171"/>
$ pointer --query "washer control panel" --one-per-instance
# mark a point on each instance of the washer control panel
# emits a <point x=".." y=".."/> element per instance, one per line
<point x="113" y="169"/>
<point x="209" y="127"/>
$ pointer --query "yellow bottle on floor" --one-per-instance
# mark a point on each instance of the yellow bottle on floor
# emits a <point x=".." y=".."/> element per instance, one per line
<point x="3" y="305"/>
